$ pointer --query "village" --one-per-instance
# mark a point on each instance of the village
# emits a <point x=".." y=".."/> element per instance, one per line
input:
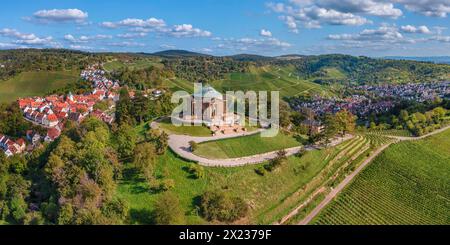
<point x="53" y="111"/>
<point x="374" y="99"/>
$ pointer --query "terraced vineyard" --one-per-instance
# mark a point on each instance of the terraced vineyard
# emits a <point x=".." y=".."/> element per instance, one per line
<point x="344" y="161"/>
<point x="408" y="183"/>
<point x="393" y="132"/>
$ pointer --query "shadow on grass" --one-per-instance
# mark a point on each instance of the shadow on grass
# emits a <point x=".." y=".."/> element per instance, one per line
<point x="301" y="139"/>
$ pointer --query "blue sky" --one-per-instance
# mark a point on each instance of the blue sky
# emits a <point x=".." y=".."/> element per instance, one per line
<point x="266" y="27"/>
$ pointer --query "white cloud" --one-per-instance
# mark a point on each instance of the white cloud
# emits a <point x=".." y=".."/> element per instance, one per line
<point x="126" y="44"/>
<point x="291" y="24"/>
<point x="85" y="39"/>
<point x="167" y="46"/>
<point x="133" y="22"/>
<point x="155" y="25"/>
<point x="265" y="33"/>
<point x="383" y="33"/>
<point x="330" y="16"/>
<point x="368" y="7"/>
<point x="413" y="29"/>
<point x="27" y="39"/>
<point x="444" y="39"/>
<point x="313" y="16"/>
<point x="436" y="8"/>
<point x="206" y="50"/>
<point x="132" y="35"/>
<point x="80" y="47"/>
<point x="385" y="36"/>
<point x="35" y="41"/>
<point x="187" y="30"/>
<point x="10" y="46"/>
<point x="61" y="15"/>
<point x="253" y="44"/>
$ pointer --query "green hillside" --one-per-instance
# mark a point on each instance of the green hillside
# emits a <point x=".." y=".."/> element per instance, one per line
<point x="270" y="78"/>
<point x="137" y="64"/>
<point x="35" y="83"/>
<point x="408" y="183"/>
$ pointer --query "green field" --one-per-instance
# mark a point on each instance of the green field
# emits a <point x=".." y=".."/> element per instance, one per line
<point x="176" y="84"/>
<point x="408" y="183"/>
<point x="35" y="83"/>
<point x="138" y="64"/>
<point x="244" y="146"/>
<point x="269" y="78"/>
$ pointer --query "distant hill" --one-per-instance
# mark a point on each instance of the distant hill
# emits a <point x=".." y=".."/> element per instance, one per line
<point x="249" y="57"/>
<point x="434" y="59"/>
<point x="179" y="53"/>
<point x="290" y="57"/>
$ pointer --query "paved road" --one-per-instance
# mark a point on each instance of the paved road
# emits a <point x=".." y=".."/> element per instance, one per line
<point x="350" y="177"/>
<point x="180" y="145"/>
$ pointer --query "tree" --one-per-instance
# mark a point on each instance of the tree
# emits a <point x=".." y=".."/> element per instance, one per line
<point x="18" y="208"/>
<point x="346" y="121"/>
<point x="404" y="116"/>
<point x="331" y="127"/>
<point x="439" y="112"/>
<point x="145" y="159"/>
<point x="124" y="108"/>
<point x="159" y="138"/>
<point x="65" y="216"/>
<point x="168" y="210"/>
<point x="116" y="210"/>
<point x="218" y="205"/>
<point x="126" y="140"/>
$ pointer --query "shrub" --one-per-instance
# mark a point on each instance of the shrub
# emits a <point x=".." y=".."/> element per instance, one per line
<point x="168" y="210"/>
<point x="197" y="171"/>
<point x="218" y="205"/>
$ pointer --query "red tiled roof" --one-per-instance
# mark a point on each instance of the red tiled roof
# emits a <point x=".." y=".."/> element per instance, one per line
<point x="20" y="142"/>
<point x="53" y="133"/>
<point x="52" y="118"/>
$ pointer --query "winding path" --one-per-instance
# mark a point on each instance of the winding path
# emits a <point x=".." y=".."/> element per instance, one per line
<point x="180" y="145"/>
<point x="350" y="177"/>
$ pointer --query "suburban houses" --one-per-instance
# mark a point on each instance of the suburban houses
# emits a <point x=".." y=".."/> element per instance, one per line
<point x="11" y="147"/>
<point x="368" y="99"/>
<point x="53" y="111"/>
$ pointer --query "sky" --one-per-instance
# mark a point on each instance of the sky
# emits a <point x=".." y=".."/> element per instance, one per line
<point x="266" y="27"/>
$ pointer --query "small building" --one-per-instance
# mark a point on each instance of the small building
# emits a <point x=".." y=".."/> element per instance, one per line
<point x="52" y="134"/>
<point x="313" y="126"/>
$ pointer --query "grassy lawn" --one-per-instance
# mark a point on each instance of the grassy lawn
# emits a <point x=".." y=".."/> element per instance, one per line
<point x="187" y="130"/>
<point x="408" y="183"/>
<point x="244" y="146"/>
<point x="262" y="193"/>
<point x="35" y="83"/>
